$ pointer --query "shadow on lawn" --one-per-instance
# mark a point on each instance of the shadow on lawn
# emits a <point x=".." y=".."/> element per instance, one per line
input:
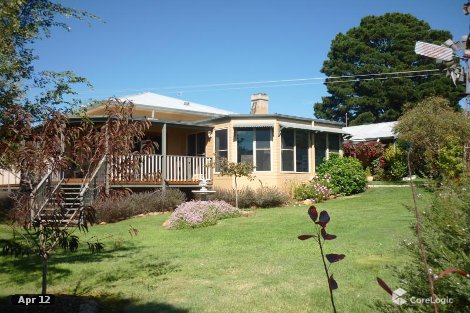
<point x="22" y="269"/>
<point x="116" y="304"/>
<point x="101" y="304"/>
<point x="25" y="269"/>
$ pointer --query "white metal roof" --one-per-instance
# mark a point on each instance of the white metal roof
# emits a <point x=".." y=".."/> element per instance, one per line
<point x="158" y="101"/>
<point x="371" y="131"/>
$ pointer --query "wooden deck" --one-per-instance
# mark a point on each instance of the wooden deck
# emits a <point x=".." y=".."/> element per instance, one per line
<point x="146" y="172"/>
<point x="155" y="184"/>
<point x="8" y="187"/>
<point x="117" y="184"/>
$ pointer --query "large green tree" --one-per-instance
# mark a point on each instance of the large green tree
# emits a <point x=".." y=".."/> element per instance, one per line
<point x="23" y="22"/>
<point x="382" y="44"/>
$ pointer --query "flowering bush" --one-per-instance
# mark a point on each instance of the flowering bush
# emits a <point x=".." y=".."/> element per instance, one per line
<point x="200" y="214"/>
<point x="318" y="189"/>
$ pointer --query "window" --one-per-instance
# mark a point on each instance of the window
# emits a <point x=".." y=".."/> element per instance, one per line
<point x="197" y="144"/>
<point x="263" y="149"/>
<point x="254" y="147"/>
<point x="320" y="148"/>
<point x="294" y="150"/>
<point x="287" y="149"/>
<point x="301" y="151"/>
<point x="333" y="143"/>
<point x="221" y="145"/>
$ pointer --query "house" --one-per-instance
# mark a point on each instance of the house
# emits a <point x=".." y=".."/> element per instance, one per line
<point x="189" y="136"/>
<point x="283" y="148"/>
<point x="382" y="132"/>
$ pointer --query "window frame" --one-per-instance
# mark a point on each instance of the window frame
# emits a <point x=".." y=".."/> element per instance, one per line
<point x="253" y="129"/>
<point x="215" y="146"/>
<point x="294" y="159"/>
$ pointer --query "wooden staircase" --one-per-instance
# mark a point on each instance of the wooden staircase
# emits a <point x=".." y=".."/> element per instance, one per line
<point x="64" y="209"/>
<point x="59" y="202"/>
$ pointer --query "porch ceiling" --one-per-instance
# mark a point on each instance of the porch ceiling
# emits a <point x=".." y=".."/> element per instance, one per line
<point x="102" y="119"/>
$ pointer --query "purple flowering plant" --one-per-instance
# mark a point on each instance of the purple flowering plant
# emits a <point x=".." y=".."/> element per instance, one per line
<point x="318" y="189"/>
<point x="194" y="214"/>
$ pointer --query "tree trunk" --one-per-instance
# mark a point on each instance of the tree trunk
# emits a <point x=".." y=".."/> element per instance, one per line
<point x="44" y="274"/>
<point x="236" y="193"/>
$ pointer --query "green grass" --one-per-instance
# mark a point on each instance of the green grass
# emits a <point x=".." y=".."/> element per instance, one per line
<point x="417" y="181"/>
<point x="246" y="264"/>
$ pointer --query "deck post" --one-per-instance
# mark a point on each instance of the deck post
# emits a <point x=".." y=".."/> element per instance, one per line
<point x="164" y="174"/>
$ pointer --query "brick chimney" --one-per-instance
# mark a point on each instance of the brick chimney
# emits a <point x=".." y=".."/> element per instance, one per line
<point x="259" y="103"/>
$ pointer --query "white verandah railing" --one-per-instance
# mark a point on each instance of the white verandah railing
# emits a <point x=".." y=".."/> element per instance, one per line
<point x="9" y="178"/>
<point x="149" y="168"/>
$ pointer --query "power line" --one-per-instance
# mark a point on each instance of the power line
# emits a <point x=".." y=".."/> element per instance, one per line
<point x="285" y="82"/>
<point x="302" y="84"/>
<point x="292" y="80"/>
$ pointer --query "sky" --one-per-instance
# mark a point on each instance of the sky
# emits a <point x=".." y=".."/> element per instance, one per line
<point x="170" y="46"/>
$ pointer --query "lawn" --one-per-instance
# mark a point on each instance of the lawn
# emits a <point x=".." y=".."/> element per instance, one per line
<point x="246" y="264"/>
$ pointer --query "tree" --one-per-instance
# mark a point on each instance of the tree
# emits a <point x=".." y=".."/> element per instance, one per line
<point x="22" y="23"/>
<point x="437" y="135"/>
<point x="382" y="44"/>
<point x="53" y="147"/>
<point x="235" y="170"/>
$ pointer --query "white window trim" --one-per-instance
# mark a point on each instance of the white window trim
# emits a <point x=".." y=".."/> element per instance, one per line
<point x="295" y="154"/>
<point x="271" y="132"/>
<point x="228" y="146"/>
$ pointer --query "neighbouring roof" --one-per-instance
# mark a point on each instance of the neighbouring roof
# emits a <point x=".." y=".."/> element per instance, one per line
<point x="151" y="99"/>
<point x="371" y="131"/>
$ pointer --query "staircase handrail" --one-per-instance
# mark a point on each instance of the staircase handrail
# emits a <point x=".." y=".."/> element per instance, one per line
<point x="92" y="177"/>
<point x="42" y="186"/>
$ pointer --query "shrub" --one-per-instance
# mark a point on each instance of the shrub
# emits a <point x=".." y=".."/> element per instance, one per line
<point x="347" y="175"/>
<point x="451" y="162"/>
<point x="194" y="214"/>
<point x="446" y="240"/>
<point x="428" y="127"/>
<point x="395" y="163"/>
<point x="318" y="189"/>
<point x="366" y="152"/>
<point x="269" y="197"/>
<point x="120" y="206"/>
<point x="263" y="197"/>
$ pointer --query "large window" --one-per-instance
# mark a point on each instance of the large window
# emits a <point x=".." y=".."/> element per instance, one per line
<point x="294" y="150"/>
<point x="254" y="147"/>
<point x="221" y="144"/>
